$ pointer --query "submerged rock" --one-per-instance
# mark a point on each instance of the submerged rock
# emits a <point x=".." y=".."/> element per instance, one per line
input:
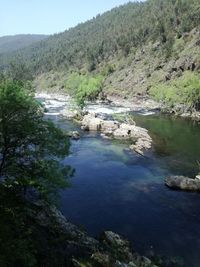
<point x="75" y="135"/>
<point x="183" y="183"/>
<point x="69" y="114"/>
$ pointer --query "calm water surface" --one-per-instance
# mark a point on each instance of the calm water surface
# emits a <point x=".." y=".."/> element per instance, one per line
<point x="113" y="189"/>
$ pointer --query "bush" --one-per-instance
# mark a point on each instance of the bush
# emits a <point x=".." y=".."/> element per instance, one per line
<point x="184" y="90"/>
<point x="84" y="87"/>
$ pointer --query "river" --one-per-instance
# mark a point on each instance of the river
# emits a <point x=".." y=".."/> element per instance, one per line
<point x="114" y="189"/>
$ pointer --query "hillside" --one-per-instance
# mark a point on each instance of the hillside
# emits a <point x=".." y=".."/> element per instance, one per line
<point x="15" y="42"/>
<point x="134" y="47"/>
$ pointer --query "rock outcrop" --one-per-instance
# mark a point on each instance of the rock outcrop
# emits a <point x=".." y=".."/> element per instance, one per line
<point x="123" y="131"/>
<point x="70" y="114"/>
<point x="91" y="123"/>
<point x="81" y="250"/>
<point x="183" y="183"/>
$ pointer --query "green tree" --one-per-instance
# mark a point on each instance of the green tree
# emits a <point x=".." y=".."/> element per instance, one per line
<point x="30" y="147"/>
<point x="16" y="232"/>
<point x="19" y="71"/>
<point x="84" y="87"/>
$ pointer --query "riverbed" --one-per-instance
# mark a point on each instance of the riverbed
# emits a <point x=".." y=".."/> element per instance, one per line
<point x="115" y="189"/>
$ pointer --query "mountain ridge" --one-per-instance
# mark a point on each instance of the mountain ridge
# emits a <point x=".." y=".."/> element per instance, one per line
<point x="10" y="43"/>
<point x="134" y="47"/>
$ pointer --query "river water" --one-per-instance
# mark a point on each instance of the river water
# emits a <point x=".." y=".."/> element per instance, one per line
<point x="114" y="189"/>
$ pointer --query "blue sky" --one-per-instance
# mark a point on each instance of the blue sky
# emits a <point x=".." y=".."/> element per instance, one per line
<point x="48" y="16"/>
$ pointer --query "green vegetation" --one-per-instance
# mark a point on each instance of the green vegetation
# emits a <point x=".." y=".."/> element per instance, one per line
<point x="30" y="147"/>
<point x="184" y="90"/>
<point x="117" y="32"/>
<point x="30" y="236"/>
<point x="133" y="47"/>
<point x="15" y="231"/>
<point x="13" y="43"/>
<point x="124" y="117"/>
<point x="84" y="87"/>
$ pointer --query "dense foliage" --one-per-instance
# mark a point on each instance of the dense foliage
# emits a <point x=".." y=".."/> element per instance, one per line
<point x="15" y="234"/>
<point x="29" y="239"/>
<point x="13" y="43"/>
<point x="84" y="87"/>
<point x="31" y="150"/>
<point x="30" y="147"/>
<point x="119" y="31"/>
<point x="184" y="90"/>
<point x="132" y="47"/>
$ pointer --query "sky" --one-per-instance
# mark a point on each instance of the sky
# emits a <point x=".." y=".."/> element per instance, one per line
<point x="49" y="16"/>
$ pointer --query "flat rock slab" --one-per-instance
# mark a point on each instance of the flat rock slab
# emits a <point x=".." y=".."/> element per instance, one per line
<point x="183" y="183"/>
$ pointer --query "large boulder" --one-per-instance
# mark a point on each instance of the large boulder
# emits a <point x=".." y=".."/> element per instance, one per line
<point x="183" y="183"/>
<point x="69" y="114"/>
<point x="125" y="131"/>
<point x="91" y="123"/>
<point x="138" y="132"/>
<point x="107" y="126"/>
<point x="141" y="145"/>
<point x="121" y="134"/>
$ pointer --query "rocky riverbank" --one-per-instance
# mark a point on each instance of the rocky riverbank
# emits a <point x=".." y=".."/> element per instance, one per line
<point x="77" y="249"/>
<point x="149" y="106"/>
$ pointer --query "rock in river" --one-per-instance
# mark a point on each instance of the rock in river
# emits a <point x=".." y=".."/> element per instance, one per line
<point x="91" y="123"/>
<point x="110" y="128"/>
<point x="75" y="135"/>
<point x="183" y="183"/>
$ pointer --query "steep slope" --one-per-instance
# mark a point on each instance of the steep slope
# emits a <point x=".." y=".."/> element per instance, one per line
<point x="148" y="66"/>
<point x="134" y="47"/>
<point x="120" y="30"/>
<point x="15" y="42"/>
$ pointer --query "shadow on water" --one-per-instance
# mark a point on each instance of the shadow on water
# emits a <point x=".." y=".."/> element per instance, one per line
<point x="118" y="190"/>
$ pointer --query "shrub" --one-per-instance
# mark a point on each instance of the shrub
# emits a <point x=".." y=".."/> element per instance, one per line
<point x="184" y="90"/>
<point x="84" y="87"/>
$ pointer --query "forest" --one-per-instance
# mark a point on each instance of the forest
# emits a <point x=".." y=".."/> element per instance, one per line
<point x="117" y="32"/>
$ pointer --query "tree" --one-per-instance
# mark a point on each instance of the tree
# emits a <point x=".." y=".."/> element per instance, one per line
<point x="84" y="87"/>
<point x="19" y="71"/>
<point x="30" y="146"/>
<point x="122" y="29"/>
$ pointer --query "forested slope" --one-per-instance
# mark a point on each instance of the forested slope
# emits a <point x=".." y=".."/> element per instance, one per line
<point x="134" y="47"/>
<point x="14" y="42"/>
